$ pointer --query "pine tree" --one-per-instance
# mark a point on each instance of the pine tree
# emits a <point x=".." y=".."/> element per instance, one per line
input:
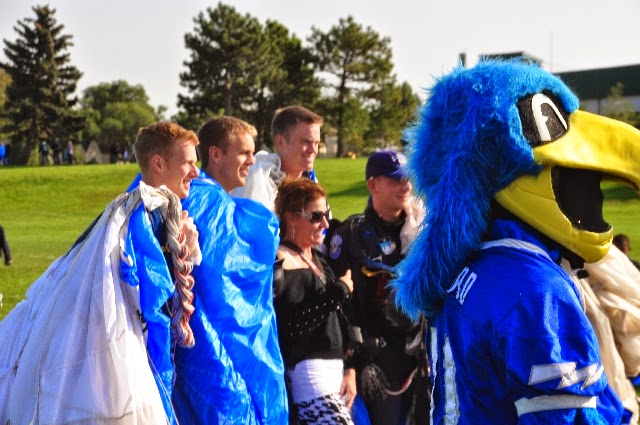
<point x="41" y="98"/>
<point x="356" y="61"/>
<point x="240" y="67"/>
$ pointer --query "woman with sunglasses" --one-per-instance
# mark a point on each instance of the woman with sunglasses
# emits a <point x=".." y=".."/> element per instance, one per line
<point x="308" y="299"/>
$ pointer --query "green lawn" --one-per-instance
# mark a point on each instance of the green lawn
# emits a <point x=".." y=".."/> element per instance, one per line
<point x="44" y="210"/>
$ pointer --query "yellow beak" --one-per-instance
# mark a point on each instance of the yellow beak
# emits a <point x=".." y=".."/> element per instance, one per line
<point x="594" y="143"/>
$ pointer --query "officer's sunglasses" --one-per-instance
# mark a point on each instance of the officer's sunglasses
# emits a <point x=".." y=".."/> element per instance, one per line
<point x="316" y="216"/>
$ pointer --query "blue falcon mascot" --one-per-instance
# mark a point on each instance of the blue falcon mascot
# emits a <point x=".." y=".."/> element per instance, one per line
<point x="511" y="171"/>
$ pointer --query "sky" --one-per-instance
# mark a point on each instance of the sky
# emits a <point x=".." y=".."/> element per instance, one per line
<point x="142" y="41"/>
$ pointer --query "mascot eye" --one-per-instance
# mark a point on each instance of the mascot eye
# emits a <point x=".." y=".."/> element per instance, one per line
<point x="543" y="118"/>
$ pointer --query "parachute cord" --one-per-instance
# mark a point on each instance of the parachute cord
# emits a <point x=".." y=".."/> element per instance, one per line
<point x="404" y="386"/>
<point x="181" y="307"/>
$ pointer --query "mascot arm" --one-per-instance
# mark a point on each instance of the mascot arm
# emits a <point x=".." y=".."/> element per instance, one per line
<point x="551" y="357"/>
<point x="579" y="416"/>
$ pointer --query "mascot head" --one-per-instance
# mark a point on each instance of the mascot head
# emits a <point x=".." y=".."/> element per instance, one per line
<point x="511" y="132"/>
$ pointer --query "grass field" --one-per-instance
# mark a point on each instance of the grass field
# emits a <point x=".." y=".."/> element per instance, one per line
<point x="44" y="210"/>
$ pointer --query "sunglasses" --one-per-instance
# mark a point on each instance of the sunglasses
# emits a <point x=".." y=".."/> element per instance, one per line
<point x="316" y="216"/>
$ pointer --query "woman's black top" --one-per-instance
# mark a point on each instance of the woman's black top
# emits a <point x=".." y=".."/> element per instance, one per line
<point x="309" y="323"/>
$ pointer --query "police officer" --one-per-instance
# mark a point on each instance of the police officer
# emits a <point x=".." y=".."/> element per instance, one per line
<point x="388" y="353"/>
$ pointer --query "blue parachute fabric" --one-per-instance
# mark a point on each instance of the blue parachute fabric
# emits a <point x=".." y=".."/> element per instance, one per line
<point x="235" y="373"/>
<point x="611" y="408"/>
<point x="359" y="413"/>
<point x="143" y="264"/>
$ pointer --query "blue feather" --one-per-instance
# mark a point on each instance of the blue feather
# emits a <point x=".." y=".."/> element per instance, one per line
<point x="467" y="146"/>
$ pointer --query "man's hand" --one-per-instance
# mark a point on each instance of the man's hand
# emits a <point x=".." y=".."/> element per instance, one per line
<point x="346" y="278"/>
<point x="415" y="216"/>
<point x="191" y="238"/>
<point x="348" y="387"/>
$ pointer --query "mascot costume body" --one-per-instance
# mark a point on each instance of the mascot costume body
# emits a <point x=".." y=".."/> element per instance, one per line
<point x="511" y="172"/>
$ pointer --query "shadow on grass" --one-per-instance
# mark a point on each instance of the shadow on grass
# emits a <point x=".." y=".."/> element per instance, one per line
<point x="358" y="189"/>
<point x="618" y="192"/>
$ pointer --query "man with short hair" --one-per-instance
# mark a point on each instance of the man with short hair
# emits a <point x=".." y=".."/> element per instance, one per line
<point x="166" y="155"/>
<point x="100" y="318"/>
<point x="234" y="373"/>
<point x="296" y="137"/>
<point x="226" y="150"/>
<point x="388" y="356"/>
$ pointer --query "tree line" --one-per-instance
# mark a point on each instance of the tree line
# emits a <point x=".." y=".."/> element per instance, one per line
<point x="236" y="65"/>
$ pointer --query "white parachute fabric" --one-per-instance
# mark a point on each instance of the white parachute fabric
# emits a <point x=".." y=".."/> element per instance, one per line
<point x="74" y="350"/>
<point x="263" y="180"/>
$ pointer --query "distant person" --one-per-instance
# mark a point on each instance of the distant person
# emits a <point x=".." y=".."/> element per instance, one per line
<point x="69" y="153"/>
<point x="115" y="154"/>
<point x="389" y="359"/>
<point x="296" y="136"/>
<point x="226" y="150"/>
<point x="4" y="246"/>
<point x="623" y="243"/>
<point x="308" y="301"/>
<point x="57" y="153"/>
<point x="125" y="156"/>
<point x="7" y="153"/>
<point x="44" y="152"/>
<point x="3" y="153"/>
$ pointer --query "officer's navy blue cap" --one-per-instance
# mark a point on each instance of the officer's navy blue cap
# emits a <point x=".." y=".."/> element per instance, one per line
<point x="386" y="163"/>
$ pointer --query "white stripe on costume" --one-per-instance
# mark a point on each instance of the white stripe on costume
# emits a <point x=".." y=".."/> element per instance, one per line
<point x="554" y="402"/>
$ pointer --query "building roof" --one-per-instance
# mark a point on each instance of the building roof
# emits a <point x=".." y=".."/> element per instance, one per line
<point x="597" y="83"/>
<point x="524" y="56"/>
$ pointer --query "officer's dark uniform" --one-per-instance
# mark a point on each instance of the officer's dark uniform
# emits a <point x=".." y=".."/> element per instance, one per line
<point x="370" y="242"/>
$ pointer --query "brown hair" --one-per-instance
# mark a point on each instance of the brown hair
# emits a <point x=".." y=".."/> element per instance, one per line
<point x="218" y="132"/>
<point x="285" y="119"/>
<point x="620" y="239"/>
<point x="293" y="195"/>
<point x="159" y="138"/>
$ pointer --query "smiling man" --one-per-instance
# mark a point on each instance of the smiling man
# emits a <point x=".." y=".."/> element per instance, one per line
<point x="226" y="150"/>
<point x="166" y="154"/>
<point x="94" y="337"/>
<point x="296" y="136"/>
<point x="370" y="245"/>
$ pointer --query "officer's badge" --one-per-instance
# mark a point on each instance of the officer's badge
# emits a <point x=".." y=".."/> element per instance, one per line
<point x="387" y="246"/>
<point x="335" y="246"/>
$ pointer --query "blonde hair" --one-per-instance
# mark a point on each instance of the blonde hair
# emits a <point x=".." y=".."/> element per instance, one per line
<point x="159" y="139"/>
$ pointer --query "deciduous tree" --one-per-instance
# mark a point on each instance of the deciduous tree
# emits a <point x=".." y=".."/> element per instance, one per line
<point x="287" y="79"/>
<point x="393" y="109"/>
<point x="114" y="112"/>
<point x="619" y="107"/>
<point x="240" y="67"/>
<point x="225" y="48"/>
<point x="355" y="61"/>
